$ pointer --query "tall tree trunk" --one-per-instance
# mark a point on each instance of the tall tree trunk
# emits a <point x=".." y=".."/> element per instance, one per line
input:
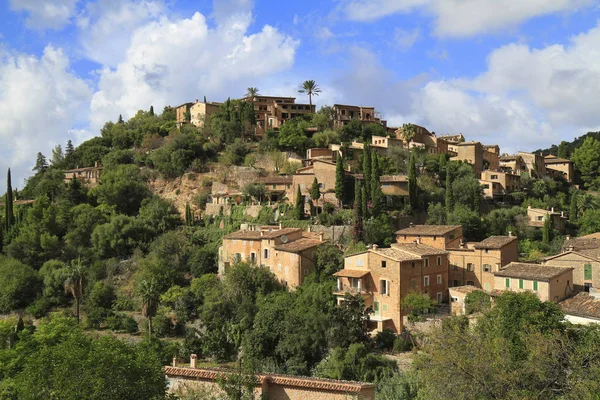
<point x="310" y="102"/>
<point x="77" y="307"/>
<point x="149" y="326"/>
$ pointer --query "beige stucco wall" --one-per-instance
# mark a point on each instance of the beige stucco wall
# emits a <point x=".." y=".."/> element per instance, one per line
<point x="557" y="289"/>
<point x="450" y="240"/>
<point x="578" y="262"/>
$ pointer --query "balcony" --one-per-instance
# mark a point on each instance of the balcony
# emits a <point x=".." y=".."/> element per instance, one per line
<point x="341" y="290"/>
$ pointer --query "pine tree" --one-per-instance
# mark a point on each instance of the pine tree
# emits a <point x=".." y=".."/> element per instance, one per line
<point x="315" y="191"/>
<point x="69" y="148"/>
<point x="40" y="163"/>
<point x="339" y="179"/>
<point x="547" y="230"/>
<point x="449" y="194"/>
<point x="189" y="217"/>
<point x="299" y="209"/>
<point x="358" y="217"/>
<point x="367" y="170"/>
<point x="412" y="181"/>
<point x="57" y="156"/>
<point x="376" y="194"/>
<point x="573" y="207"/>
<point x="151" y="112"/>
<point x="120" y="121"/>
<point x="9" y="217"/>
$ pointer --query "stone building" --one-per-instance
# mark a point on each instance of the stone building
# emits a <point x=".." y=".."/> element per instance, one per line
<point x="200" y="112"/>
<point x="534" y="164"/>
<point x="425" y="139"/>
<point x="267" y="386"/>
<point x="439" y="236"/>
<point x="457" y="295"/>
<point x="343" y="114"/>
<point x="497" y="184"/>
<point x="273" y="111"/>
<point x="561" y="167"/>
<point x="384" y="276"/>
<point x="537" y="216"/>
<point x="89" y="176"/>
<point x="513" y="164"/>
<point x="586" y="264"/>
<point x="289" y="253"/>
<point x="583" y="308"/>
<point x="479" y="156"/>
<point x="183" y="114"/>
<point x="549" y="283"/>
<point x="324" y="171"/>
<point x="277" y="187"/>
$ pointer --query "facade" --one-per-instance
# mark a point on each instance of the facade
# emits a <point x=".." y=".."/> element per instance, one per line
<point x="537" y="216"/>
<point x="549" y="283"/>
<point x="534" y="164"/>
<point x="183" y="113"/>
<point x="479" y="156"/>
<point x="321" y="153"/>
<point x="513" y="164"/>
<point x="583" y="308"/>
<point x="384" y="276"/>
<point x="586" y="264"/>
<point x="200" y="112"/>
<point x="561" y="167"/>
<point x="439" y="236"/>
<point x="89" y="176"/>
<point x="288" y="252"/>
<point x="474" y="264"/>
<point x="267" y="386"/>
<point x="366" y="115"/>
<point x="324" y="171"/>
<point x="457" y="298"/>
<point x="277" y="187"/>
<point x="273" y="111"/>
<point x="499" y="183"/>
<point x="425" y="139"/>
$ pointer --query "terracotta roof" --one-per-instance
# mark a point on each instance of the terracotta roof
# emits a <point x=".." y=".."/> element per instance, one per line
<point x="261" y="234"/>
<point x="427" y="230"/>
<point x="274" y="180"/>
<point x="508" y="158"/>
<point x="284" y="380"/>
<point x="495" y="242"/>
<point x="393" y="178"/>
<point x="566" y="254"/>
<point x="418" y="249"/>
<point x="550" y="159"/>
<point x="20" y="202"/>
<point x="352" y="273"/>
<point x="298" y="245"/>
<point x="531" y="271"/>
<point x="465" y="289"/>
<point x="582" y="305"/>
<point x="84" y="169"/>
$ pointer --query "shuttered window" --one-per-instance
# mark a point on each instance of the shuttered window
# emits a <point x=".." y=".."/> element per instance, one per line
<point x="535" y="286"/>
<point x="587" y="271"/>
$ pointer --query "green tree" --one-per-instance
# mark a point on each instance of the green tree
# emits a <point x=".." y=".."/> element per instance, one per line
<point x="9" y="216"/>
<point x="349" y="322"/>
<point x="189" y="216"/>
<point x="40" y="163"/>
<point x="357" y="232"/>
<point x="477" y="301"/>
<point x="587" y="161"/>
<point x="251" y="92"/>
<point x="315" y="192"/>
<point x="449" y="194"/>
<point x="573" y="206"/>
<point x="376" y="193"/>
<point x="367" y="169"/>
<point x="564" y="150"/>
<point x="123" y="188"/>
<point x="364" y="205"/>
<point x="409" y="131"/>
<point x="412" y="181"/>
<point x="149" y="292"/>
<point x="151" y="112"/>
<point x="74" y="282"/>
<point x="547" y="230"/>
<point x="299" y="208"/>
<point x="416" y="304"/>
<point x="310" y="88"/>
<point x="19" y="285"/>
<point x="340" y="179"/>
<point x="57" y="156"/>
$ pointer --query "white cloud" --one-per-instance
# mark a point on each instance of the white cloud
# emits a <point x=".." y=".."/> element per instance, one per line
<point x="459" y="18"/>
<point x="46" y="14"/>
<point x="106" y="27"/>
<point x="40" y="101"/>
<point x="405" y="39"/>
<point x="171" y="61"/>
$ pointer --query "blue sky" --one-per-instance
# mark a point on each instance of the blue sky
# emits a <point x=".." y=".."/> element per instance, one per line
<point x="522" y="74"/>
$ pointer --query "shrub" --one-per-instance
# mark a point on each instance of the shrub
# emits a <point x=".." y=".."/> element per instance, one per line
<point x="385" y="339"/>
<point x="39" y="307"/>
<point x="401" y="344"/>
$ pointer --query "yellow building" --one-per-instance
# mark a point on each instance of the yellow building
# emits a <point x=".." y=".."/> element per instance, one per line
<point x="439" y="236"/>
<point x="274" y="111"/>
<point x="537" y="216"/>
<point x="89" y="176"/>
<point x="366" y="115"/>
<point x="561" y="167"/>
<point x="549" y="283"/>
<point x="498" y="183"/>
<point x="200" y="112"/>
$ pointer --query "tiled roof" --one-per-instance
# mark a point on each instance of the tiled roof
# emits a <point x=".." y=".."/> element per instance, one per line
<point x="397" y="255"/>
<point x="464" y="289"/>
<point x="564" y="256"/>
<point x="274" y="180"/>
<point x="299" y="245"/>
<point x="555" y="160"/>
<point x="351" y="273"/>
<point x="393" y="178"/>
<point x="495" y="242"/>
<point x="427" y="230"/>
<point x="508" y="158"/>
<point x="582" y="305"/>
<point x="418" y="249"/>
<point x="84" y="169"/>
<point x="582" y="243"/>
<point x="258" y="235"/>
<point x="531" y="271"/>
<point x="284" y="380"/>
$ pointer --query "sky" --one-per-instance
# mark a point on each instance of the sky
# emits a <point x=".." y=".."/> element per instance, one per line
<point x="520" y="74"/>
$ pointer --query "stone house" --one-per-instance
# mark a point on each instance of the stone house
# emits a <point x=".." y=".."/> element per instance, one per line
<point x="384" y="276"/>
<point x="425" y="139"/>
<point x="498" y="183"/>
<point x="534" y="164"/>
<point x="474" y="263"/>
<point x="289" y="253"/>
<point x="277" y="187"/>
<point x="586" y="264"/>
<point x="267" y="386"/>
<point x="321" y="153"/>
<point x="324" y="171"/>
<point x="549" y="283"/>
<point x="537" y="216"/>
<point x="89" y="176"/>
<point x="200" y="112"/>
<point x="560" y="166"/>
<point x="274" y="111"/>
<point x="583" y="308"/>
<point x="513" y="164"/>
<point x="343" y="114"/>
<point x="479" y="156"/>
<point x="457" y="296"/>
<point x="183" y="114"/>
<point x="439" y="236"/>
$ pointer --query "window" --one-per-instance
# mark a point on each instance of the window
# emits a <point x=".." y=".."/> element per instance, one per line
<point x="470" y="267"/>
<point x="412" y="264"/>
<point x="494" y="176"/>
<point x="434" y="238"/>
<point x="376" y="308"/>
<point x="384" y="287"/>
<point x="520" y="283"/>
<point x="383" y="264"/>
<point x="487" y="268"/>
<point x="274" y="186"/>
<point x="359" y="262"/>
<point x="454" y="299"/>
<point x="253" y="258"/>
<point x="507" y="283"/>
<point x="439" y="261"/>
<point x="541" y="218"/>
<point x="355" y="283"/>
<point x="426" y="281"/>
<point x="237" y="258"/>
<point x="438" y="280"/>
<point x="384" y="307"/>
<point x="266" y="253"/>
<point x="321" y="186"/>
<point x="587" y="286"/>
<point x="455" y="282"/>
<point x="535" y="286"/>
<point x="427" y="262"/>
<point x="587" y="272"/>
<point x="413" y="283"/>
<point x="439" y="297"/>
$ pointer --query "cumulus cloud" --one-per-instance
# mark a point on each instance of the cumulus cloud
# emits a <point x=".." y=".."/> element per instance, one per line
<point x="46" y="14"/>
<point x="172" y="61"/>
<point x="40" y="101"/>
<point x="460" y="18"/>
<point x="405" y="39"/>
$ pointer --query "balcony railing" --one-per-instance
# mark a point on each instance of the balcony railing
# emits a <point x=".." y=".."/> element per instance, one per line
<point x="351" y="289"/>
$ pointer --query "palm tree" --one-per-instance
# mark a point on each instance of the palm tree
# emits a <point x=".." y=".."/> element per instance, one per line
<point x="74" y="281"/>
<point x="409" y="131"/>
<point x="252" y="92"/>
<point x="148" y="291"/>
<point x="311" y="88"/>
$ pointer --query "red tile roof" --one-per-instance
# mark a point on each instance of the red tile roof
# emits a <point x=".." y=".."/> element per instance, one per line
<point x="299" y="245"/>
<point x="351" y="273"/>
<point x="260" y="234"/>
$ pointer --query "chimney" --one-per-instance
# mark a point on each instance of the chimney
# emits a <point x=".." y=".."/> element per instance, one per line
<point x="529" y="207"/>
<point x="552" y="209"/>
<point x="411" y="224"/>
<point x="461" y="245"/>
<point x="262" y="233"/>
<point x="174" y="361"/>
<point x="96" y="164"/>
<point x="510" y="234"/>
<point x="193" y="361"/>
<point x="375" y="247"/>
<point x="321" y="236"/>
<point x="308" y="229"/>
<point x="571" y="248"/>
<point x="568" y="237"/>
<point x="418" y="241"/>
<point x="280" y="225"/>
<point x="562" y="214"/>
<point x="197" y="101"/>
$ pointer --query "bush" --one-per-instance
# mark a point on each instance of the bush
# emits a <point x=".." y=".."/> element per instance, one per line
<point x="385" y="339"/>
<point x="129" y="325"/>
<point x="39" y="307"/>
<point x="401" y="344"/>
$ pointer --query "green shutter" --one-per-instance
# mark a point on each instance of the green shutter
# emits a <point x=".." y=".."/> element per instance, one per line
<point x="376" y="308"/>
<point x="587" y="272"/>
<point x="535" y="286"/>
<point x="520" y="283"/>
<point x="508" y="282"/>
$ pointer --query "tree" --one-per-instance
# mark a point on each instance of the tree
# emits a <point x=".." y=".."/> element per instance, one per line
<point x="120" y="120"/>
<point x="416" y="304"/>
<point x="364" y="208"/>
<point x="255" y="190"/>
<point x="477" y="301"/>
<point x="299" y="209"/>
<point x="149" y="292"/>
<point x="412" y="181"/>
<point x="449" y="193"/>
<point x="9" y="216"/>
<point x="311" y="88"/>
<point x="74" y="282"/>
<point x="547" y="230"/>
<point x="573" y="206"/>
<point x="69" y="148"/>
<point x="252" y="92"/>
<point x="409" y="131"/>
<point x="57" y="156"/>
<point x="349" y="322"/>
<point x="19" y="285"/>
<point x="340" y="179"/>
<point x="151" y="112"/>
<point x="189" y="216"/>
<point x="587" y="161"/>
<point x="40" y="163"/>
<point x="564" y="150"/>
<point x="357" y="232"/>
<point x="315" y="191"/>
<point x="367" y="169"/>
<point x="124" y="188"/>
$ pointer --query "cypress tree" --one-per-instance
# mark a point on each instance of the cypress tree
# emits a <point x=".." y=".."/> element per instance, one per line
<point x="189" y="218"/>
<point x="477" y="198"/>
<point x="449" y="194"/>
<point x="367" y="169"/>
<point x="339" y="179"/>
<point x="204" y="99"/>
<point x="299" y="209"/>
<point x="9" y="216"/>
<point x="547" y="230"/>
<point x="120" y="121"/>
<point x="376" y="194"/>
<point x="573" y="207"/>
<point x="69" y="148"/>
<point x="40" y="163"/>
<point x="412" y="181"/>
<point x="363" y="206"/>
<point x="358" y="217"/>
<point x="151" y="110"/>
<point x="315" y="192"/>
